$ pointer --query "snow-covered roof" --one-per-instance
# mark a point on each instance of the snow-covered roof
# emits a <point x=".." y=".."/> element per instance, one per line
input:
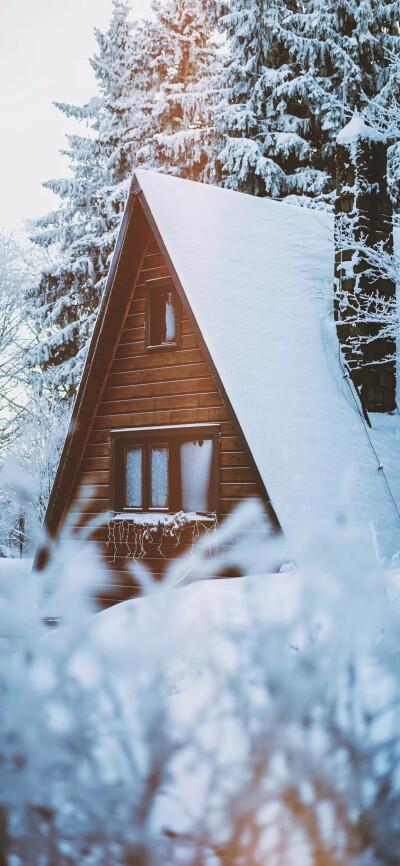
<point x="258" y="275"/>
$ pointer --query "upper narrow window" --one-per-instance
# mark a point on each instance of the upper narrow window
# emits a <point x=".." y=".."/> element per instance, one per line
<point x="163" y="316"/>
<point x="165" y="469"/>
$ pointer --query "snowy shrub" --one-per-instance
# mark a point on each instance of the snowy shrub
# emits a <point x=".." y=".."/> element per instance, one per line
<point x="248" y="721"/>
<point x="27" y="474"/>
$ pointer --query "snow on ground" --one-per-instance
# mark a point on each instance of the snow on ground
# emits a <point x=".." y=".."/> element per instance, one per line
<point x="207" y="605"/>
<point x="10" y="567"/>
<point x="258" y="275"/>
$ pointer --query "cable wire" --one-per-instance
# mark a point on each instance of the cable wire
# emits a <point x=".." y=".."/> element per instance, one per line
<point x="347" y="376"/>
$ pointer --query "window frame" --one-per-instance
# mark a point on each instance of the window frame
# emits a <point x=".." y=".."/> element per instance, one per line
<point x="173" y="436"/>
<point x="149" y="287"/>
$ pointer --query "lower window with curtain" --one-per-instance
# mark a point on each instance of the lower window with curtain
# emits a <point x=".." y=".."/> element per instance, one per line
<point x="165" y="469"/>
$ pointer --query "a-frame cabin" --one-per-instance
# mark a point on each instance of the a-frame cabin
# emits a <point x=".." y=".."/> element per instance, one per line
<point x="214" y="375"/>
<point x="155" y="454"/>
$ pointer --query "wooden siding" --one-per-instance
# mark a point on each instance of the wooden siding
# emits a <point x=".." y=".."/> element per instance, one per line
<point x="145" y="389"/>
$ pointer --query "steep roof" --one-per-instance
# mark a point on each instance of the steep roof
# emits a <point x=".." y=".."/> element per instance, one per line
<point x="258" y="277"/>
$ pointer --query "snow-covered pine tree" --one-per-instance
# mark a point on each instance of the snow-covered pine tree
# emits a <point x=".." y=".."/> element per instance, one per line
<point x="185" y="62"/>
<point x="295" y="71"/>
<point x="253" y="57"/>
<point x="83" y="230"/>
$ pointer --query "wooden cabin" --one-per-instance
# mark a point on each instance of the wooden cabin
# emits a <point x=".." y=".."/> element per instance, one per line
<point x="155" y="454"/>
<point x="212" y="377"/>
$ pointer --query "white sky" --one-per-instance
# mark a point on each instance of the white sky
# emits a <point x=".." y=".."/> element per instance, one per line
<point x="45" y="47"/>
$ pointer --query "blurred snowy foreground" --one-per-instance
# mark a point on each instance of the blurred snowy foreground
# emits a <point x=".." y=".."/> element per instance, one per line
<point x="247" y="721"/>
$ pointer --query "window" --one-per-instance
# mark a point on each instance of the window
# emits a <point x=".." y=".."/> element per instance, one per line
<point x="166" y="469"/>
<point x="163" y="315"/>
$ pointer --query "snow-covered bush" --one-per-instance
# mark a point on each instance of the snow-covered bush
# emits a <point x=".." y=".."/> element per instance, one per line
<point x="27" y="472"/>
<point x="248" y="721"/>
<point x="20" y="265"/>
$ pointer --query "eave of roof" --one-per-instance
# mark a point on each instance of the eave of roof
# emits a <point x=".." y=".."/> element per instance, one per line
<point x="127" y="258"/>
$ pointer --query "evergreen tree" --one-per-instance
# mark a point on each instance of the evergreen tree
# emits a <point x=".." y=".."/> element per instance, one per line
<point x="295" y="72"/>
<point x="186" y="61"/>
<point x="84" y="229"/>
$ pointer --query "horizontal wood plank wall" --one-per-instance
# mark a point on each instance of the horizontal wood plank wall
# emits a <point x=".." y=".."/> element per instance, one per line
<point x="143" y="389"/>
